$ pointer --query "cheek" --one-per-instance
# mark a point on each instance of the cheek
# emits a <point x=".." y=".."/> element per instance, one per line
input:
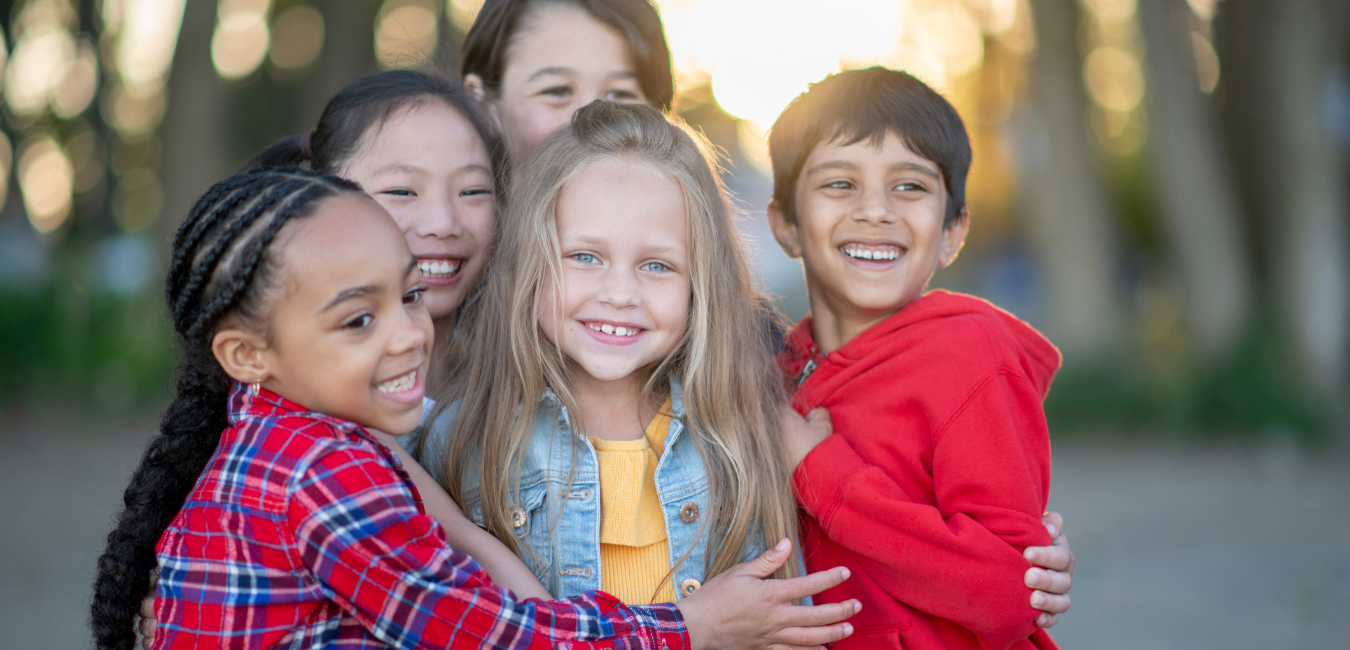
<point x="672" y="307"/>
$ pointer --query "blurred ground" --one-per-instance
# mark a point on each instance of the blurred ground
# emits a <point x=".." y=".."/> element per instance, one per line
<point x="1188" y="547"/>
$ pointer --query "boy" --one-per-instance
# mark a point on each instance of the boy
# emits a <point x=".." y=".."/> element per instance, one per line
<point x="939" y="466"/>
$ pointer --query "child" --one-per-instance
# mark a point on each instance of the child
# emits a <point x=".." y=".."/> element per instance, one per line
<point x="299" y="308"/>
<point x="939" y="466"/>
<point x="534" y="62"/>
<point x="619" y="415"/>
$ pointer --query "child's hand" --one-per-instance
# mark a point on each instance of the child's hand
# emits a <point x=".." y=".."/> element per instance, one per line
<point x="148" y="623"/>
<point x="800" y="436"/>
<point x="1052" y="582"/>
<point x="741" y="609"/>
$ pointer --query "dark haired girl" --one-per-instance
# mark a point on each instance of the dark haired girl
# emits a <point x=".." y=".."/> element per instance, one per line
<point x="535" y="62"/>
<point x="422" y="148"/>
<point x="274" y="515"/>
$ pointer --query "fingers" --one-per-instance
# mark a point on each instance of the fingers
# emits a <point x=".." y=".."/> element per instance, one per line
<point x="1051" y="603"/>
<point x="1047" y="620"/>
<point x="768" y="561"/>
<point x="809" y="636"/>
<point x="147" y="607"/>
<point x="1057" y="557"/>
<point x="1054" y="523"/>
<point x="1055" y="582"/>
<point x="820" y="416"/>
<point x="808" y="585"/>
<point x="817" y="615"/>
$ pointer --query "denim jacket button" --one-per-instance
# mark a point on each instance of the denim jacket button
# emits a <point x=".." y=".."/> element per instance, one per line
<point x="517" y="517"/>
<point x="688" y="587"/>
<point x="689" y="512"/>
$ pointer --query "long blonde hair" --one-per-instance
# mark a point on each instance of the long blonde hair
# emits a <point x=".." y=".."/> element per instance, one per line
<point x="732" y="389"/>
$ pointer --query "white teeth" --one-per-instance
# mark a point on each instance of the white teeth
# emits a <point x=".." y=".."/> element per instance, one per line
<point x="611" y="329"/>
<point x="437" y="268"/>
<point x="866" y="254"/>
<point x="398" y="384"/>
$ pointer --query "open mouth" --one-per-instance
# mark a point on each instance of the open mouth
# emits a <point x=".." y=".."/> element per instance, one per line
<point x="616" y="330"/>
<point x="439" y="269"/>
<point x="399" y="384"/>
<point x="879" y="253"/>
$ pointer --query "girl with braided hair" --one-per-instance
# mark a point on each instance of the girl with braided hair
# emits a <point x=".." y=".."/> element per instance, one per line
<point x="277" y="520"/>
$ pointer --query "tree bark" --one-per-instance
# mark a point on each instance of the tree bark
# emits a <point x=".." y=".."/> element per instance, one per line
<point x="1067" y="213"/>
<point x="1199" y="211"/>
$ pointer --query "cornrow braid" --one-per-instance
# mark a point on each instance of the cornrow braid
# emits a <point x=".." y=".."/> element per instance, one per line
<point x="222" y="265"/>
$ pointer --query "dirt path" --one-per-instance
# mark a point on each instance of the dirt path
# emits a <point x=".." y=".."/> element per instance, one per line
<point x="1190" y="548"/>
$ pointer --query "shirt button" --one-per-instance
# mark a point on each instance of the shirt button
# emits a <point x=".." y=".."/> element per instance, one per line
<point x="517" y="517"/>
<point x="688" y="587"/>
<point x="689" y="512"/>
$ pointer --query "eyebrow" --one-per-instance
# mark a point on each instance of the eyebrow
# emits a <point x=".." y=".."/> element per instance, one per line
<point x="844" y="165"/>
<point x="399" y="167"/>
<point x="357" y="292"/>
<point x="554" y="69"/>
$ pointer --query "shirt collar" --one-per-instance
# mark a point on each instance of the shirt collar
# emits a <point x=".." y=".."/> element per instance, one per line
<point x="247" y="403"/>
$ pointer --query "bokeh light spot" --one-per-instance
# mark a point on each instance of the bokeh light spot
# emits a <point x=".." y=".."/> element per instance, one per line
<point x="138" y="200"/>
<point x="80" y="83"/>
<point x="406" y="33"/>
<point x="463" y="13"/>
<point x="1114" y="78"/>
<point x="297" y="37"/>
<point x="45" y="180"/>
<point x="240" y="41"/>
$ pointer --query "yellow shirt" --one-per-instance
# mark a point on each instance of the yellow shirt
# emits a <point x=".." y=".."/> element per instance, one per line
<point x="634" y="551"/>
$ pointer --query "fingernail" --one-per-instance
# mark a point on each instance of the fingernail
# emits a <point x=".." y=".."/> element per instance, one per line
<point x="1029" y="554"/>
<point x="1032" y="575"/>
<point x="846" y="573"/>
<point x="857" y="606"/>
<point x="1051" y="529"/>
<point x="1037" y="599"/>
<point x="782" y="545"/>
<point x="848" y="629"/>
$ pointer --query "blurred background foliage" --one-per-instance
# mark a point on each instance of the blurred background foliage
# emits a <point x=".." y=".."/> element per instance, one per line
<point x="1159" y="185"/>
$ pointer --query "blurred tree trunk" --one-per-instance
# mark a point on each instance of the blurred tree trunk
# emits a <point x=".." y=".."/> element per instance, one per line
<point x="194" y="131"/>
<point x="1278" y="131"/>
<point x="1070" y="222"/>
<point x="1199" y="211"/>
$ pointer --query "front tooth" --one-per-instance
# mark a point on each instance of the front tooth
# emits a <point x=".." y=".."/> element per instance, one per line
<point x="607" y="328"/>
<point x="621" y="331"/>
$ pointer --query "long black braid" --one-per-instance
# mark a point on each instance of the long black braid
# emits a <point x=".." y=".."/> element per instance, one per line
<point x="221" y="266"/>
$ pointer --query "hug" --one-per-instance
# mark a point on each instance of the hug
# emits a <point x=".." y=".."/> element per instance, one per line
<point x="485" y="366"/>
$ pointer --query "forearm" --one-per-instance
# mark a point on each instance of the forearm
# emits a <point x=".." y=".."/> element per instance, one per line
<point x="952" y="566"/>
<point x="503" y="566"/>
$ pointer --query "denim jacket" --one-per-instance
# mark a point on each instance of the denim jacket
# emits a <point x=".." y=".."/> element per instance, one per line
<point x="559" y="525"/>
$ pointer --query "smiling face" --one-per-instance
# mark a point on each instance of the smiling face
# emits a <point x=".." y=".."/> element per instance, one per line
<point x="350" y="335"/>
<point x="560" y="59"/>
<point x="429" y="168"/>
<point x="622" y="230"/>
<point x="869" y="232"/>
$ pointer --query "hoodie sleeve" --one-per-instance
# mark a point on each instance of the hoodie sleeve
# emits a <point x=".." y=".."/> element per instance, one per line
<point x="960" y="560"/>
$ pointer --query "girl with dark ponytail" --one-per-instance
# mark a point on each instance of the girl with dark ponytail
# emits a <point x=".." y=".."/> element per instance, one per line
<point x="276" y="519"/>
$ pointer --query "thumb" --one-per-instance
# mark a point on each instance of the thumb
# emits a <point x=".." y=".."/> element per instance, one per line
<point x="769" y="561"/>
<point x="819" y="414"/>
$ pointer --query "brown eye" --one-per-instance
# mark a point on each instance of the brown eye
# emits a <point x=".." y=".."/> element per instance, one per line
<point x="414" y="296"/>
<point x="360" y="322"/>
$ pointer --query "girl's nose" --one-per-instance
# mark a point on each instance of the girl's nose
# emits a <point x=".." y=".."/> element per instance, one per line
<point x="440" y="221"/>
<point x="620" y="289"/>
<point x="409" y="334"/>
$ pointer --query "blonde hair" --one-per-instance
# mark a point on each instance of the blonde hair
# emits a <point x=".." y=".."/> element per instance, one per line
<point x="732" y="389"/>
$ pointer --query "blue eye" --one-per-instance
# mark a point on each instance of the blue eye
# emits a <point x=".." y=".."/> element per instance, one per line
<point x="585" y="258"/>
<point x="656" y="267"/>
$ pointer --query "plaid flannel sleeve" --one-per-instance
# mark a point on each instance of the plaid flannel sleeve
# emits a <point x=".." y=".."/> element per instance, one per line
<point x="359" y="531"/>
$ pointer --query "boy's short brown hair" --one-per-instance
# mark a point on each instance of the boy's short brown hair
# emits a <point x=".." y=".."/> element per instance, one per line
<point x="867" y="104"/>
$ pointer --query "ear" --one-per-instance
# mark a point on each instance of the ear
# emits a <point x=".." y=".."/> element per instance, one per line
<point x="474" y="84"/>
<point x="240" y="353"/>
<point x="953" y="238"/>
<point x="784" y="231"/>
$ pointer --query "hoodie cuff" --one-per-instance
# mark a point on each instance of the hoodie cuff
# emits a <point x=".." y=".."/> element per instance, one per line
<point x="821" y="477"/>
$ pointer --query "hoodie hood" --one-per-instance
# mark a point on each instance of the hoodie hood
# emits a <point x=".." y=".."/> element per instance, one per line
<point x="1038" y="358"/>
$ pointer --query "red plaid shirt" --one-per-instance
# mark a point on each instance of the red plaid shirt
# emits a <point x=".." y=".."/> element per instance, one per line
<point x="304" y="532"/>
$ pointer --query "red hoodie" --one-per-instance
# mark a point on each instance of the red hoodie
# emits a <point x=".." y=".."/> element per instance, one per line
<point x="936" y="475"/>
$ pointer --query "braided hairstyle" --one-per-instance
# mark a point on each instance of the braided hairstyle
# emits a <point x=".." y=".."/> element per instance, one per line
<point x="222" y="266"/>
